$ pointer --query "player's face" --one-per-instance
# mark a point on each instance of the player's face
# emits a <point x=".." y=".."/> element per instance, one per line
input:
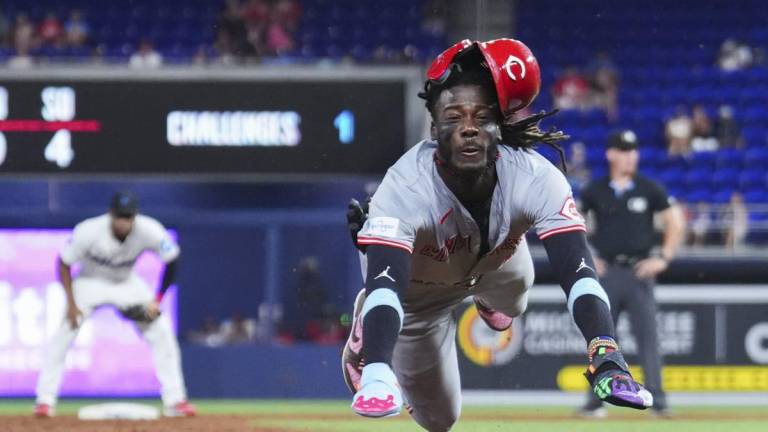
<point x="121" y="226"/>
<point x="623" y="161"/>
<point x="466" y="128"/>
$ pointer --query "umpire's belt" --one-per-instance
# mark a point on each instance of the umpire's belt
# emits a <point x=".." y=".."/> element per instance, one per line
<point x="622" y="260"/>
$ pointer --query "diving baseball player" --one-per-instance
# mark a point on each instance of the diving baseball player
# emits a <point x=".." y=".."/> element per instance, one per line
<point x="449" y="221"/>
<point x="106" y="247"/>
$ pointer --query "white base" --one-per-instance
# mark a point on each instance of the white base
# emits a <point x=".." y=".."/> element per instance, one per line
<point x="118" y="411"/>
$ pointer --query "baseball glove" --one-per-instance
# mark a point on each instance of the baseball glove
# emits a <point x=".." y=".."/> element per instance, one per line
<point x="137" y="313"/>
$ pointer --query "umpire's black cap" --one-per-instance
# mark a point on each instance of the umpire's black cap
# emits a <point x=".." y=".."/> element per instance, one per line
<point x="623" y="140"/>
<point x="124" y="204"/>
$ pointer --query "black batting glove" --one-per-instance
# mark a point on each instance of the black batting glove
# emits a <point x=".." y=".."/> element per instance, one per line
<point x="357" y="214"/>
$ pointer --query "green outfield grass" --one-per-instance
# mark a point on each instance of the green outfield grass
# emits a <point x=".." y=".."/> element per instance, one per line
<point x="328" y="416"/>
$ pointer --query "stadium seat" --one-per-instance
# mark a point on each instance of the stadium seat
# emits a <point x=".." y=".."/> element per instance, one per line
<point x="756" y="157"/>
<point x="729" y="158"/>
<point x="753" y="179"/>
<point x="726" y="179"/>
<point x="672" y="178"/>
<point x="756" y="196"/>
<point x="698" y="178"/>
<point x="704" y="160"/>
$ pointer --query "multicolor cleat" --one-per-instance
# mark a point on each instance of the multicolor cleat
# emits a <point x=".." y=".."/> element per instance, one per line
<point x="611" y="382"/>
<point x="352" y="357"/>
<point x="379" y="394"/>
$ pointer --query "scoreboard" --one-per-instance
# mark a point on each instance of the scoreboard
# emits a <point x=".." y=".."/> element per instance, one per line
<point x="201" y="127"/>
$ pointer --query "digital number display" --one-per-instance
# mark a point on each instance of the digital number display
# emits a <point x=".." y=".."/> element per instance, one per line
<point x="199" y="127"/>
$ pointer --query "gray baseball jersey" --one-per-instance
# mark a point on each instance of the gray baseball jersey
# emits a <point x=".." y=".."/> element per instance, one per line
<point x="414" y="210"/>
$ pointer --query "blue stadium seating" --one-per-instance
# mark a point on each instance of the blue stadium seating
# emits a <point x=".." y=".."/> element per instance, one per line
<point x="665" y="51"/>
<point x="666" y="54"/>
<point x="328" y="28"/>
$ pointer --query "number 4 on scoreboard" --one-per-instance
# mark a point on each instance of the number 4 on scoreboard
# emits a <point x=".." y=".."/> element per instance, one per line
<point x="59" y="149"/>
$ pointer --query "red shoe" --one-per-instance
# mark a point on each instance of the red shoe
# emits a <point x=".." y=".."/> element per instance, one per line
<point x="181" y="409"/>
<point x="43" y="411"/>
<point x="493" y="318"/>
<point x="352" y="358"/>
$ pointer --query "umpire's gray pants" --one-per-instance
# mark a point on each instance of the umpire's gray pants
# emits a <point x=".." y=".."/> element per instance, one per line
<point x="629" y="293"/>
<point x="425" y="358"/>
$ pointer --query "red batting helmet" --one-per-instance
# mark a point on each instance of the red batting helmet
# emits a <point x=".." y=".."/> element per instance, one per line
<point x="513" y="67"/>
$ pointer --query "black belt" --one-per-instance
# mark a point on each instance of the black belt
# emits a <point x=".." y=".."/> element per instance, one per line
<point x="622" y="260"/>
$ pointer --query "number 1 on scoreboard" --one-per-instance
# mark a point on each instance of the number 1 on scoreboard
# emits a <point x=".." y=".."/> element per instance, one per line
<point x="345" y="123"/>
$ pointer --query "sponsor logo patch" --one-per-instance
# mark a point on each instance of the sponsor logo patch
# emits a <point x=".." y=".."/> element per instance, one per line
<point x="383" y="226"/>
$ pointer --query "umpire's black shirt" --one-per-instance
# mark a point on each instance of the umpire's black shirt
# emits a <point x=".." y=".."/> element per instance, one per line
<point x="624" y="218"/>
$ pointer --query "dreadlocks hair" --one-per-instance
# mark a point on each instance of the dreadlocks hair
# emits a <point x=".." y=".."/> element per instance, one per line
<point x="521" y="134"/>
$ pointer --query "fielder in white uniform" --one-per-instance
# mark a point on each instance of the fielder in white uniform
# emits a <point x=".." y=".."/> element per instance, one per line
<point x="107" y="247"/>
<point x="447" y="222"/>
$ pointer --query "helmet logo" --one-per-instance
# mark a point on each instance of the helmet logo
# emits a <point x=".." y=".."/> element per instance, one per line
<point x="512" y="60"/>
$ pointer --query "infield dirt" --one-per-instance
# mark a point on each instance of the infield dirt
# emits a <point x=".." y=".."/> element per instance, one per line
<point x="208" y="423"/>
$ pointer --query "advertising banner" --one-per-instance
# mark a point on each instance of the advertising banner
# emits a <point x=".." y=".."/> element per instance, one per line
<point x="709" y="343"/>
<point x="107" y="358"/>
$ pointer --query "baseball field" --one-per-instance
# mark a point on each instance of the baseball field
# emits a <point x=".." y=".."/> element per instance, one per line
<point x="334" y="416"/>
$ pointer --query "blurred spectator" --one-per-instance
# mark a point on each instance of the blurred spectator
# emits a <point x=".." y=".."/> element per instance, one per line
<point x="435" y="17"/>
<point x="571" y="90"/>
<point x="700" y="222"/>
<point x="22" y="59"/>
<point x="23" y="34"/>
<point x="50" y="31"/>
<point x="727" y="129"/>
<point x="735" y="222"/>
<point x="99" y="53"/>
<point x="678" y="131"/>
<point x="316" y="318"/>
<point x="255" y="12"/>
<point x="201" y="56"/>
<point x="701" y="128"/>
<point x="233" y="34"/>
<point x="209" y="333"/>
<point x="279" y="40"/>
<point x="5" y="30"/>
<point x="734" y="56"/>
<point x="146" y="57"/>
<point x="288" y="12"/>
<point x="383" y="54"/>
<point x="256" y="15"/>
<point x="77" y="29"/>
<point x="578" y="171"/>
<point x="605" y="81"/>
<point x="238" y="330"/>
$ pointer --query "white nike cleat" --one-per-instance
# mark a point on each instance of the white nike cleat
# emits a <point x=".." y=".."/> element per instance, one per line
<point x="379" y="394"/>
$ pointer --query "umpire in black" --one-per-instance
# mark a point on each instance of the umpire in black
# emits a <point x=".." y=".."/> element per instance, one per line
<point x="623" y="205"/>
